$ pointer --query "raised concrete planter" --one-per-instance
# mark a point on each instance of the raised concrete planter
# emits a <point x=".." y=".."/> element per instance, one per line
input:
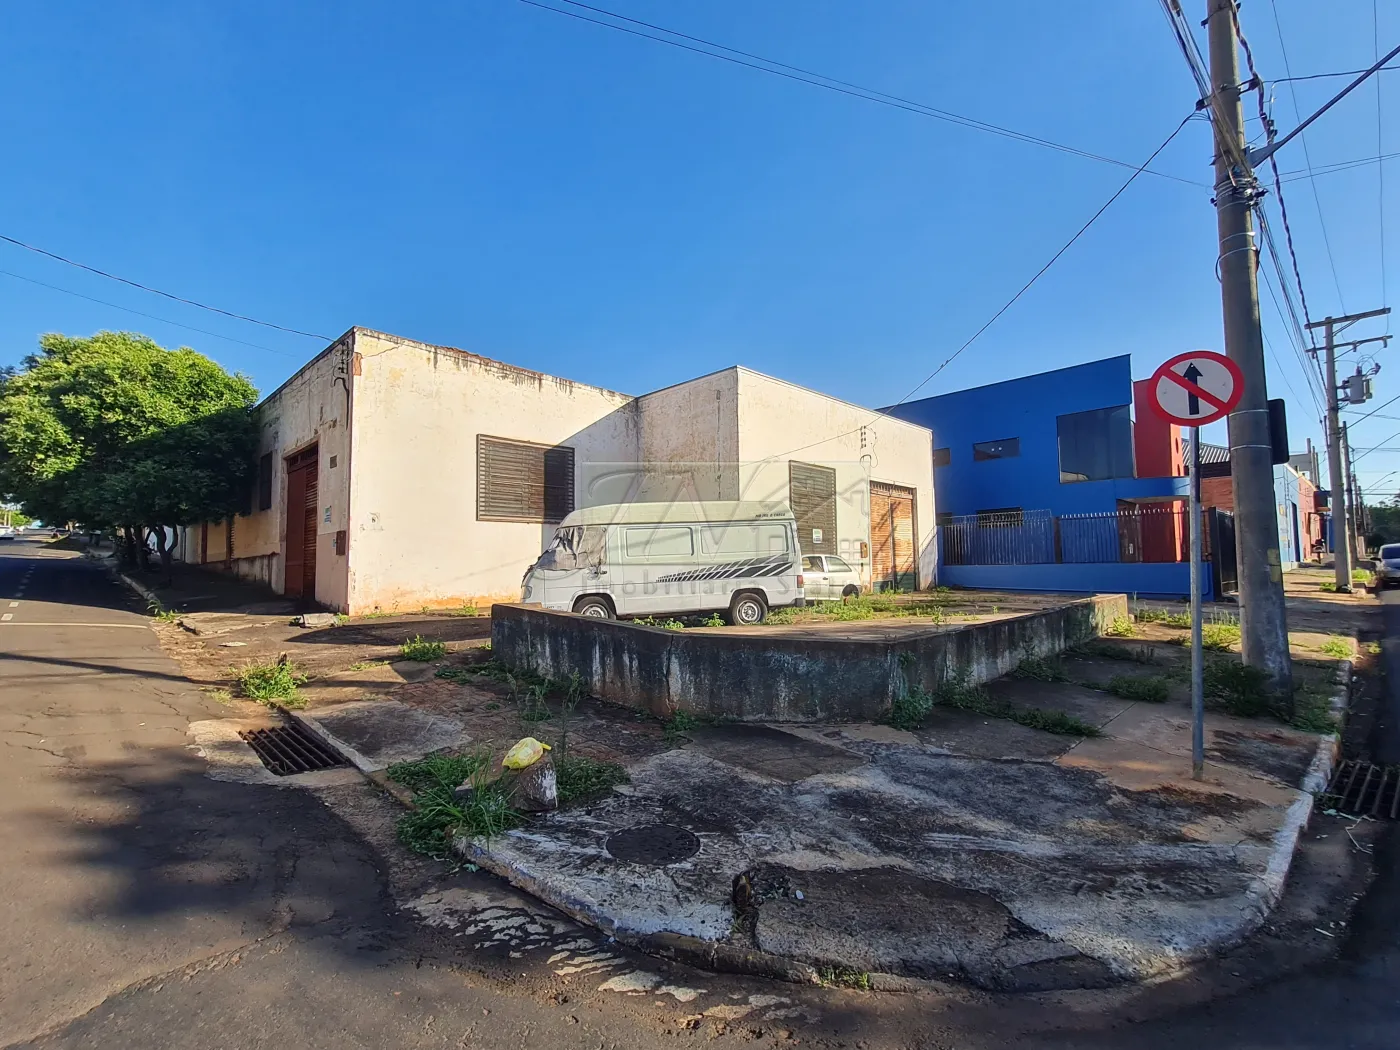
<point x="769" y="676"/>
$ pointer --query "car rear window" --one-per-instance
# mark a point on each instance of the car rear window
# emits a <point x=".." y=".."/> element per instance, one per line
<point x="1390" y="552"/>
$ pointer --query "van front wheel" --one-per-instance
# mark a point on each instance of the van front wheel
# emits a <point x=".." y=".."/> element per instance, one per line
<point x="747" y="609"/>
<point x="598" y="608"/>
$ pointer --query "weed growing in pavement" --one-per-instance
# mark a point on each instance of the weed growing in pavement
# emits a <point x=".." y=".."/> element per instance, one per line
<point x="1149" y="688"/>
<point x="778" y="617"/>
<point x="1061" y="723"/>
<point x="438" y="815"/>
<point x="422" y="649"/>
<point x="670" y="623"/>
<point x="1329" y="586"/>
<point x="1237" y="688"/>
<point x="713" y="620"/>
<point x="1374" y="648"/>
<point x="911" y="708"/>
<point x="1139" y="654"/>
<point x="1219" y="636"/>
<point x="573" y="693"/>
<point x="1312" y="712"/>
<point x="1164" y="617"/>
<point x="1360" y="576"/>
<point x="365" y="665"/>
<point x="844" y="977"/>
<point x="581" y="779"/>
<point x="680" y="723"/>
<point x="1121" y="627"/>
<point x="1040" y="669"/>
<point x="164" y="615"/>
<point x="1337" y="646"/>
<point x="271" y="683"/>
<point x="533" y="707"/>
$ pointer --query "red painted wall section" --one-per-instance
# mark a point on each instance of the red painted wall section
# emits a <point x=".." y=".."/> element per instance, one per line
<point x="1157" y="446"/>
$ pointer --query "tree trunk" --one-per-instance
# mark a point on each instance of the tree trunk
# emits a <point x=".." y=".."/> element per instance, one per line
<point x="128" y="547"/>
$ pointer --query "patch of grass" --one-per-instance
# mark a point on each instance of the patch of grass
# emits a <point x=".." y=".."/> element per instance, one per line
<point x="1039" y="669"/>
<point x="219" y="696"/>
<point x="533" y="707"/>
<point x="1121" y="627"/>
<point x="1330" y="586"/>
<point x="1237" y="688"/>
<point x="1360" y="575"/>
<point x="1139" y="654"/>
<point x="1219" y="636"/>
<point x="1164" y="617"/>
<point x="713" y="620"/>
<point x="463" y="610"/>
<point x="581" y="779"/>
<point x="438" y="816"/>
<point x="271" y="683"/>
<point x="1151" y="689"/>
<point x="1059" y="722"/>
<point x="422" y="649"/>
<point x="844" y="977"/>
<point x="958" y="694"/>
<point x="777" y="617"/>
<point x="680" y="723"/>
<point x="668" y="624"/>
<point x="1374" y="648"/>
<point x="911" y="708"/>
<point x="365" y="665"/>
<point x="1312" y="712"/>
<point x="1337" y="646"/>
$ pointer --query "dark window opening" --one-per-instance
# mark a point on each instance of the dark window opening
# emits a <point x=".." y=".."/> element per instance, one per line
<point x="1001" y="518"/>
<point x="265" y="482"/>
<point x="942" y="457"/>
<point x="523" y="481"/>
<point x="1096" y="445"/>
<point x="1004" y="448"/>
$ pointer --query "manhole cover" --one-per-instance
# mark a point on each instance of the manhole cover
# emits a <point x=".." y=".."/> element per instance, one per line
<point x="290" y="749"/>
<point x="1361" y="789"/>
<point x="654" y="844"/>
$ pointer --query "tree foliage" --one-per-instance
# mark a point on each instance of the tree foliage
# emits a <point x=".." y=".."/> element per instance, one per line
<point x="116" y="430"/>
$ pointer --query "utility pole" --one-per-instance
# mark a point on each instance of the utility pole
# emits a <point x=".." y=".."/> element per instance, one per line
<point x="1263" y="620"/>
<point x="1338" y="471"/>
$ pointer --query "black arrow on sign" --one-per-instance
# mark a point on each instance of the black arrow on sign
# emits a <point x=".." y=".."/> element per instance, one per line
<point x="1193" y="403"/>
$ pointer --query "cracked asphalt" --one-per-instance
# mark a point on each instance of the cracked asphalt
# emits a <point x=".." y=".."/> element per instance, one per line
<point x="144" y="904"/>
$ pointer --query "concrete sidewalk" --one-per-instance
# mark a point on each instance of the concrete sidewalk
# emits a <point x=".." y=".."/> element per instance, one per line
<point x="973" y="847"/>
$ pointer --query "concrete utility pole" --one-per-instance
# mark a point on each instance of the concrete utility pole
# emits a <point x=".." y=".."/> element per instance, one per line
<point x="1343" y="543"/>
<point x="1263" y="620"/>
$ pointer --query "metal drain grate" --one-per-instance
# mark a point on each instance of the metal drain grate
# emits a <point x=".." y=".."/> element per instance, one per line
<point x="1361" y="789"/>
<point x="290" y="749"/>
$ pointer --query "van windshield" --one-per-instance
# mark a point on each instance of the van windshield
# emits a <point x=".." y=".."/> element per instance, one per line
<point x="577" y="547"/>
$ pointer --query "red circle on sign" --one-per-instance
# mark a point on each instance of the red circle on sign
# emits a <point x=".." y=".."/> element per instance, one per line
<point x="1220" y="406"/>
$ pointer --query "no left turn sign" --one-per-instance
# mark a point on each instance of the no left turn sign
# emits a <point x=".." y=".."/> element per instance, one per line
<point x="1196" y="388"/>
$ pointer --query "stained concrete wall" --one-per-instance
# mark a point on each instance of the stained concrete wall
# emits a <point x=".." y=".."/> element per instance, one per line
<point x="414" y="535"/>
<point x="756" y="676"/>
<point x="780" y="422"/>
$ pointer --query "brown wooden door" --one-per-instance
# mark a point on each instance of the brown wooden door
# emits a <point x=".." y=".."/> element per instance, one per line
<point x="892" y="544"/>
<point x="300" y="577"/>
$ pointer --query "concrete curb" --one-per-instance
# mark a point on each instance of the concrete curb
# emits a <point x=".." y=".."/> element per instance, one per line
<point x="1268" y="887"/>
<point x="371" y="771"/>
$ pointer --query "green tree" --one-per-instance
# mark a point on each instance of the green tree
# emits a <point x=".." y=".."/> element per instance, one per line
<point x="116" y="430"/>
<point x="1385" y="522"/>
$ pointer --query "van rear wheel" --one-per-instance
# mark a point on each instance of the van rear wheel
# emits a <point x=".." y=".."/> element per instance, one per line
<point x="747" y="609"/>
<point x="598" y="608"/>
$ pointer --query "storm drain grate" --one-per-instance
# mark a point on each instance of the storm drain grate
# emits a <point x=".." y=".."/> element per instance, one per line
<point x="290" y="749"/>
<point x="1362" y="789"/>
<point x="654" y="844"/>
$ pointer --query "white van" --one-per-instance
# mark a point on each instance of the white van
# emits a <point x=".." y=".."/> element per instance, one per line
<point x="671" y="559"/>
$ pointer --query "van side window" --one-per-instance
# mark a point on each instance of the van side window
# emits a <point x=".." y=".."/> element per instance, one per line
<point x="744" y="539"/>
<point x="659" y="541"/>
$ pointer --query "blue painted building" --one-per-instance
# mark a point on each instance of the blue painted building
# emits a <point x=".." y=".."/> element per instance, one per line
<point x="1054" y="482"/>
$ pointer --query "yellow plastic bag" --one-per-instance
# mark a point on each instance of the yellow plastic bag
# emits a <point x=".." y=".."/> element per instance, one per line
<point x="525" y="753"/>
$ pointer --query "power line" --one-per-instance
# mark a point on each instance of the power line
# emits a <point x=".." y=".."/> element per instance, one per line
<point x="1373" y="411"/>
<point x="1303" y="138"/>
<point x="1322" y="76"/>
<point x="139" y="313"/>
<point x="1341" y="165"/>
<point x="749" y="60"/>
<point x="157" y="291"/>
<point x="1012" y="301"/>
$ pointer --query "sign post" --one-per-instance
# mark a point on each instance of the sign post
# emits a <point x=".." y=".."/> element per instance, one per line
<point x="1192" y="390"/>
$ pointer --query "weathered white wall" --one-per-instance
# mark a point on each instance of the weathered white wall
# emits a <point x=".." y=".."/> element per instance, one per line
<point x="414" y="536"/>
<point x="779" y="422"/>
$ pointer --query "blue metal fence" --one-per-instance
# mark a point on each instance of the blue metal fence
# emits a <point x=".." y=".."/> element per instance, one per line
<point x="1140" y="533"/>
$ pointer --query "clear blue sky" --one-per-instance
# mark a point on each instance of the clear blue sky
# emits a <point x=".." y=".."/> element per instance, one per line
<point x="491" y="176"/>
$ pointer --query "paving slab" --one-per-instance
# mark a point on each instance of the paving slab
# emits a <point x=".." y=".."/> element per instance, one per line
<point x="374" y="734"/>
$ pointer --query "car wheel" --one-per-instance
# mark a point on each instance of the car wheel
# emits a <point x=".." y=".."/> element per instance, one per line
<point x="747" y="609"/>
<point x="598" y="608"/>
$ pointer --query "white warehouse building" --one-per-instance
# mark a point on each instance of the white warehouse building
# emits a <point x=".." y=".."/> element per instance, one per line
<point x="397" y="475"/>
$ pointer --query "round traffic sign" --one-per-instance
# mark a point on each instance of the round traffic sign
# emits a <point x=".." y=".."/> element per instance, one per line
<point x="1196" y="388"/>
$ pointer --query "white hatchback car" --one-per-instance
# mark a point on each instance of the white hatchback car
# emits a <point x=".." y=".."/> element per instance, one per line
<point x="829" y="578"/>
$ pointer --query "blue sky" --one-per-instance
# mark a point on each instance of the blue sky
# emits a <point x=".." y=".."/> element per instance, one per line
<point x="491" y="176"/>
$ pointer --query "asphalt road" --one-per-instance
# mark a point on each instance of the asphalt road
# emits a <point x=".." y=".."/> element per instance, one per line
<point x="145" y="905"/>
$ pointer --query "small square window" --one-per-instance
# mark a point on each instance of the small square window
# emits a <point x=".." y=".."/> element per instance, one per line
<point x="942" y="457"/>
<point x="1003" y="448"/>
